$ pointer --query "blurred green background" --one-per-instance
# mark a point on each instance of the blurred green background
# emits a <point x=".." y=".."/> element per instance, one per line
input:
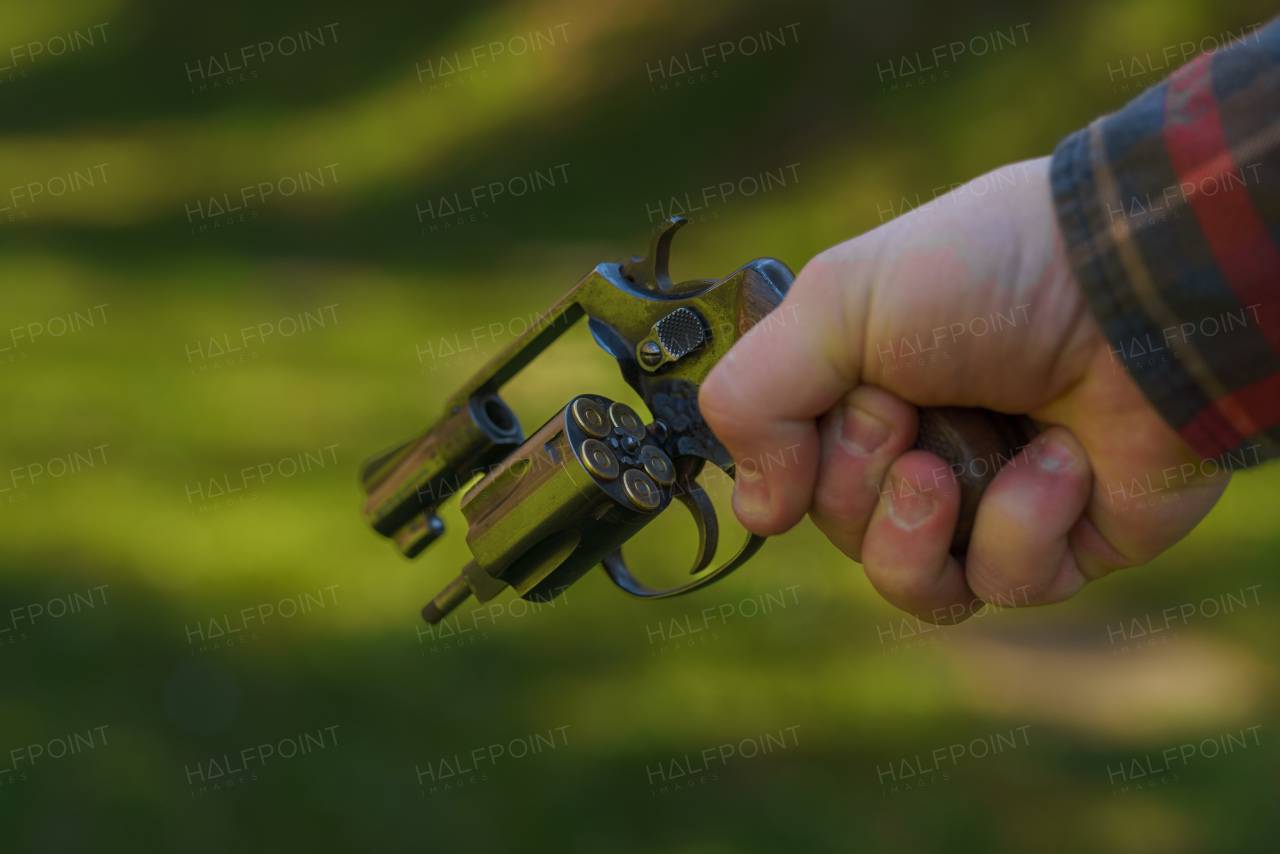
<point x="836" y="669"/>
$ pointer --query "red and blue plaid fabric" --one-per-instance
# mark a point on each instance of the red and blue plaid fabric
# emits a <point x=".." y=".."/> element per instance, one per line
<point x="1170" y="209"/>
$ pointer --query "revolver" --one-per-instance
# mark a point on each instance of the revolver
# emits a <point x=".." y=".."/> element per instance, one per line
<point x="549" y="507"/>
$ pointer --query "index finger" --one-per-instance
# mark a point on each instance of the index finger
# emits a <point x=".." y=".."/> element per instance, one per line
<point x="763" y="398"/>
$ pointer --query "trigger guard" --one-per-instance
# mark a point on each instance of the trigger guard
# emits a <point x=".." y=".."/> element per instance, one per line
<point x="704" y="516"/>
<point x="615" y="566"/>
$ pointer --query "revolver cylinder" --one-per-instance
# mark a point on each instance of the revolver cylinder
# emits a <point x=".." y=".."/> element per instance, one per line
<point x="582" y="485"/>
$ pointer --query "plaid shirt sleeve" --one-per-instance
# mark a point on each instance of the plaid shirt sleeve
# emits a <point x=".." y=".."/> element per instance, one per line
<point x="1170" y="209"/>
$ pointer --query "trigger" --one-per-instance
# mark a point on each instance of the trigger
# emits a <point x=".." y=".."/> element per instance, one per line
<point x="704" y="516"/>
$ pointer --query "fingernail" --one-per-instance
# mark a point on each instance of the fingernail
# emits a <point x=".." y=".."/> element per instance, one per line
<point x="1054" y="456"/>
<point x="860" y="432"/>
<point x="752" y="493"/>
<point x="910" y="509"/>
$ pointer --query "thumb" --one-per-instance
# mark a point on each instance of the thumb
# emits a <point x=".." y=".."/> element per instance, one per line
<point x="763" y="399"/>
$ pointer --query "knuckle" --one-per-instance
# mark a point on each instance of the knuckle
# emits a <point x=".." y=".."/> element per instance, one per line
<point x="910" y="589"/>
<point x="990" y="579"/>
<point x="1006" y="580"/>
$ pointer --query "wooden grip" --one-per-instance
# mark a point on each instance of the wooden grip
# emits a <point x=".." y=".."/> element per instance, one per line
<point x="976" y="443"/>
<point x="763" y="289"/>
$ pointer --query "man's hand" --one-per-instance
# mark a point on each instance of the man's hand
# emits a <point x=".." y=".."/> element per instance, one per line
<point x="836" y="383"/>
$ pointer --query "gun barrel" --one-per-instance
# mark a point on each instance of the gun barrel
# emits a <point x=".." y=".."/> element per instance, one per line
<point x="406" y="485"/>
